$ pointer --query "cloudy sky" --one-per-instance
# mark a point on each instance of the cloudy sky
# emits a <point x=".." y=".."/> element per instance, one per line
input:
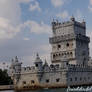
<point x="25" y="25"/>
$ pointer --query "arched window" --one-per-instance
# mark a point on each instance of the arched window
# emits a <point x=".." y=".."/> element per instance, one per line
<point x="59" y="54"/>
<point x="67" y="44"/>
<point x="53" y="56"/>
<point x="71" y="53"/>
<point x="67" y="53"/>
<point x="59" y="46"/>
<point x="32" y="81"/>
<point x="47" y="80"/>
<point x="24" y="82"/>
<point x="57" y="80"/>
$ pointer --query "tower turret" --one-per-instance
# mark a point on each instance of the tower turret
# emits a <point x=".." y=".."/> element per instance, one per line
<point x="17" y="65"/>
<point x="38" y="62"/>
<point x="72" y="18"/>
<point x="15" y="69"/>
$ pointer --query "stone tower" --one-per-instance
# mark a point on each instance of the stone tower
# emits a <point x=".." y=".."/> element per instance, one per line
<point x="69" y="41"/>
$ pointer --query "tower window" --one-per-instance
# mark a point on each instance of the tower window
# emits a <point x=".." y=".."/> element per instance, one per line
<point x="59" y="46"/>
<point x="32" y="81"/>
<point x="71" y="53"/>
<point x="62" y="54"/>
<point x="67" y="63"/>
<point x="53" y="56"/>
<point x="47" y="80"/>
<point x="36" y="65"/>
<point x="57" y="80"/>
<point x="67" y="44"/>
<point x="67" y="53"/>
<point x="59" y="54"/>
<point x="24" y="82"/>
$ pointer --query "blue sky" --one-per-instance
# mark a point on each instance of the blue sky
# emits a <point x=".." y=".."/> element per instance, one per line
<point x="25" y="26"/>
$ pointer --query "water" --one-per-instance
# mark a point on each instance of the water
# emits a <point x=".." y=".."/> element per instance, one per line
<point x="44" y="90"/>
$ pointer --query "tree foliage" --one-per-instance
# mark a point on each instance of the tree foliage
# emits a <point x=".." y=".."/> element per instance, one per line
<point x="4" y="78"/>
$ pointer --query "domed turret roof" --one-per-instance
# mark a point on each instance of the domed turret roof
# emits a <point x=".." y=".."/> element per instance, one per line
<point x="72" y="18"/>
<point x="38" y="58"/>
<point x="16" y="59"/>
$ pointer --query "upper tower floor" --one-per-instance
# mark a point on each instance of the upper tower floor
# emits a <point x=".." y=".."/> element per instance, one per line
<point x="70" y="27"/>
<point x="69" y="41"/>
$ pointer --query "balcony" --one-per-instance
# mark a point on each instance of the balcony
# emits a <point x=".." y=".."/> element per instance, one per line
<point x="62" y="38"/>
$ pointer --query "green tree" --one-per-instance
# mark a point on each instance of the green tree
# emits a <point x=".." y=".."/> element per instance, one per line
<point x="4" y="78"/>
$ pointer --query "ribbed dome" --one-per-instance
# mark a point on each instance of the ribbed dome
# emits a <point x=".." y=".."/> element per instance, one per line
<point x="38" y="58"/>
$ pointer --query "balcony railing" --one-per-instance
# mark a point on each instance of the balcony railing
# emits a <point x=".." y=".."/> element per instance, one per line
<point x="61" y="38"/>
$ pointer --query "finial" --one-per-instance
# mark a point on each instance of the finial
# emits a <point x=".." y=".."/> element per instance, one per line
<point x="38" y="58"/>
<point x="72" y="18"/>
<point x="16" y="59"/>
<point x="37" y="55"/>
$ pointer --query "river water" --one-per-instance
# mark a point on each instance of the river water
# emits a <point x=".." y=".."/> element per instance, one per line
<point x="44" y="90"/>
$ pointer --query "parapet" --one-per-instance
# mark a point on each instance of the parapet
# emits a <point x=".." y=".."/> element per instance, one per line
<point x="56" y="24"/>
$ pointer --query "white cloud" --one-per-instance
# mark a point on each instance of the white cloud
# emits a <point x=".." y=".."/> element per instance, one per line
<point x="7" y="30"/>
<point x="35" y="6"/>
<point x="57" y="3"/>
<point x="90" y="2"/>
<point x="90" y="8"/>
<point x="10" y="9"/>
<point x="10" y="26"/>
<point x="37" y="28"/>
<point x="10" y="18"/>
<point x="63" y="15"/>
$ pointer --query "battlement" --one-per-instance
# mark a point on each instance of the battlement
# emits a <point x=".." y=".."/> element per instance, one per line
<point x="76" y="68"/>
<point x="56" y="24"/>
<point x="34" y="70"/>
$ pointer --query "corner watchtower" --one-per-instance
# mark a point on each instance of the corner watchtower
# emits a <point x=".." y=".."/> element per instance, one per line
<point x="38" y="62"/>
<point x="69" y="41"/>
